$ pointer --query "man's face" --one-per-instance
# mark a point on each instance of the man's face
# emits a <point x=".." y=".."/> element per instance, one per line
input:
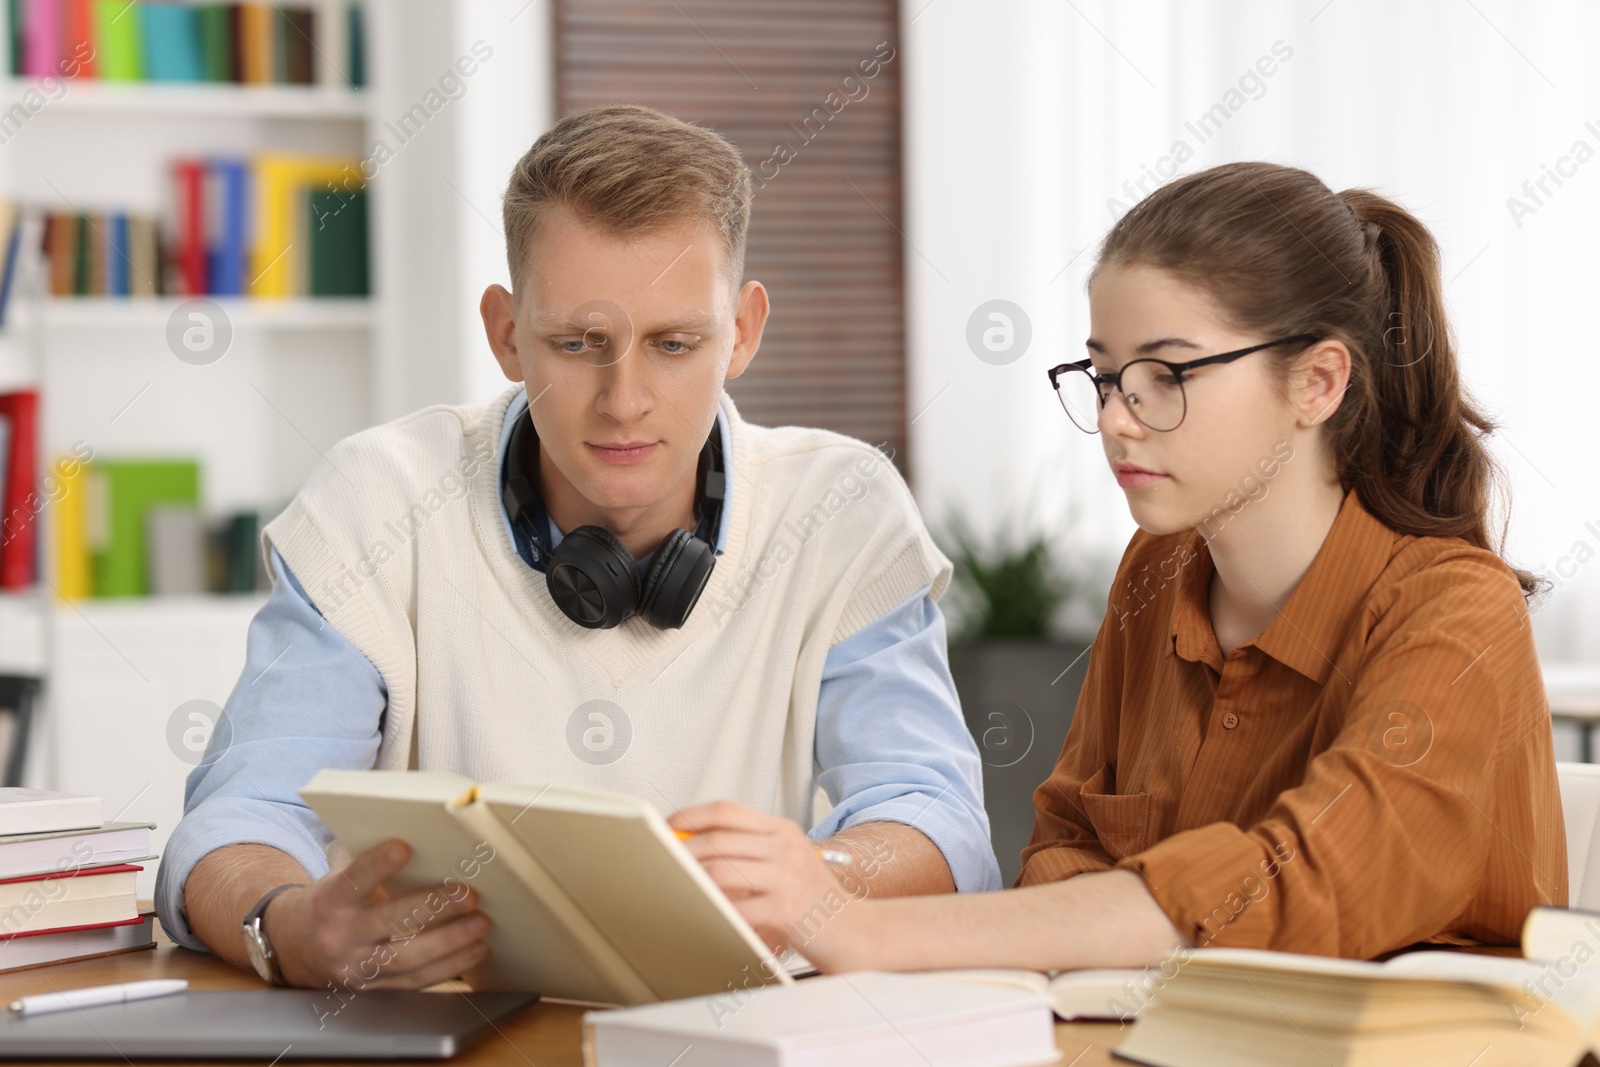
<point x="624" y="344"/>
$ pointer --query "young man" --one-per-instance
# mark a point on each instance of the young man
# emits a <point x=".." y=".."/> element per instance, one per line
<point x="514" y="591"/>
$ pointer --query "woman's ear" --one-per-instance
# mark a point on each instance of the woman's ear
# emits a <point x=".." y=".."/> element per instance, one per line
<point x="1320" y="379"/>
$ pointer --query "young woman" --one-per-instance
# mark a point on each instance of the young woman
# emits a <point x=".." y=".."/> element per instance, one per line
<point x="1313" y="718"/>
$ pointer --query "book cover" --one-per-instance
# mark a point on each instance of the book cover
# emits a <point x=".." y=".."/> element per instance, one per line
<point x="358" y="47"/>
<point x="171" y="34"/>
<point x="332" y="39"/>
<point x="278" y="186"/>
<point x="144" y="259"/>
<point x="40" y="948"/>
<point x="216" y="50"/>
<point x="42" y="39"/>
<point x="338" y="229"/>
<point x="117" y="262"/>
<point x="78" y="39"/>
<point x="189" y="179"/>
<point x="255" y="43"/>
<point x="117" y="39"/>
<point x="176" y="551"/>
<point x="11" y="234"/>
<point x="227" y="204"/>
<point x="38" y="811"/>
<point x="20" y="522"/>
<point x="17" y="27"/>
<point x="125" y="490"/>
<point x="70" y="524"/>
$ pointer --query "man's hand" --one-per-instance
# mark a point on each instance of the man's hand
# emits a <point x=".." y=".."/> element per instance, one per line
<point x="345" y="929"/>
<point x="770" y="870"/>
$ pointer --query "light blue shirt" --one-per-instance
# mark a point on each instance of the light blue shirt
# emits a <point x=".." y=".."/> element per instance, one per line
<point x="891" y="744"/>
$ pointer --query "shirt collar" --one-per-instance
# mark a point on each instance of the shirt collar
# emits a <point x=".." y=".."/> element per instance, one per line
<point x="1312" y="626"/>
<point x="514" y="411"/>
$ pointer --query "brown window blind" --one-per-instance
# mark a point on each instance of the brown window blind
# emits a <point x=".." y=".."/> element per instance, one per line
<point x="809" y="91"/>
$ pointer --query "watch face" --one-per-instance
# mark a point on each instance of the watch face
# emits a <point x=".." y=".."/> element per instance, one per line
<point x="260" y="957"/>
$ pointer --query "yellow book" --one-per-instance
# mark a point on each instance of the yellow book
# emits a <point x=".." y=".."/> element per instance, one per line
<point x="279" y="258"/>
<point x="72" y="557"/>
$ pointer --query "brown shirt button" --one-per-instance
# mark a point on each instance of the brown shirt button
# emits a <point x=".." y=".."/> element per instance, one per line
<point x="1230" y="720"/>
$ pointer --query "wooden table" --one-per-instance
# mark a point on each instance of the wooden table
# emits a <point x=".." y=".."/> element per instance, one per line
<point x="545" y="1035"/>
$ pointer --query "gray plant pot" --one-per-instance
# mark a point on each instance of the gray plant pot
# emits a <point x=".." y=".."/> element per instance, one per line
<point x="1017" y="697"/>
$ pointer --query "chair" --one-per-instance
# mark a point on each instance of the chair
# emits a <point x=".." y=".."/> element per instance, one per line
<point x="1580" y="808"/>
<point x="18" y="694"/>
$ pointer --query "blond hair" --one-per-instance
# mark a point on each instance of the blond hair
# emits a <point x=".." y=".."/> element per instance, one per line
<point x="628" y="170"/>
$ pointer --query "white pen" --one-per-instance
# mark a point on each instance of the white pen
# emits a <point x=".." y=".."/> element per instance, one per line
<point x="93" y="996"/>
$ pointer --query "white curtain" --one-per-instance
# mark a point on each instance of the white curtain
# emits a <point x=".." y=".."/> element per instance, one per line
<point x="1030" y="123"/>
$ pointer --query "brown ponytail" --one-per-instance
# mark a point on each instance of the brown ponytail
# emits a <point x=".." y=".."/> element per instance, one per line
<point x="1285" y="255"/>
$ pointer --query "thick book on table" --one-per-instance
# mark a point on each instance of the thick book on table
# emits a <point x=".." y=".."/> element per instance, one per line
<point x="1241" y="1007"/>
<point x="24" y="855"/>
<point x="590" y="895"/>
<point x="68" y="898"/>
<point x="38" y="948"/>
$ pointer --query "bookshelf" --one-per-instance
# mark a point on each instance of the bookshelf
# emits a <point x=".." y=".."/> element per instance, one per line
<point x="301" y="373"/>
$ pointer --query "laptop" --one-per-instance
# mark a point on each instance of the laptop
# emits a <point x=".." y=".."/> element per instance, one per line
<point x="265" y="1025"/>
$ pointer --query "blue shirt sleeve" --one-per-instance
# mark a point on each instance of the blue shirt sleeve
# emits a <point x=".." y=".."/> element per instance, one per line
<point x="307" y="699"/>
<point x="892" y="745"/>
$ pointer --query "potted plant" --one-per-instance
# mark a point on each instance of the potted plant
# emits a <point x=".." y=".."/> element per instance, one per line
<point x="1021" y="622"/>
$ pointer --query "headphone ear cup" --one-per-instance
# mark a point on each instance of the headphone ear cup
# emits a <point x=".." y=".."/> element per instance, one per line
<point x="676" y="579"/>
<point x="593" y="579"/>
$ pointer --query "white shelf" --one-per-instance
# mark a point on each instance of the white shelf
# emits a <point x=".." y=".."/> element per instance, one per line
<point x="99" y="312"/>
<point x="91" y="97"/>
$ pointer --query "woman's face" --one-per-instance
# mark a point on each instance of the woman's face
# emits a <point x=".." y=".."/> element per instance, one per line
<point x="1238" y="432"/>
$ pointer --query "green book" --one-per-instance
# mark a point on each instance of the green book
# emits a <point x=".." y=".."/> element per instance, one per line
<point x="216" y="55"/>
<point x="116" y="28"/>
<point x="15" y="23"/>
<point x="338" y="231"/>
<point x="121" y="492"/>
<point x="80" y="256"/>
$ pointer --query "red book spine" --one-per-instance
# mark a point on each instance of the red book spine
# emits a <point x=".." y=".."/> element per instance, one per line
<point x="135" y="921"/>
<point x="191" y="175"/>
<point x="19" y="525"/>
<point x="78" y="46"/>
<point x="70" y="872"/>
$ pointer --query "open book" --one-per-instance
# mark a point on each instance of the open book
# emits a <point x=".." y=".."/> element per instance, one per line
<point x="1087" y="995"/>
<point x="1243" y="1007"/>
<point x="590" y="895"/>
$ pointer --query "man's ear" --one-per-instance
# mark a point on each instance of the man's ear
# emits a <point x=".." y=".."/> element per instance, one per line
<point x="749" y="320"/>
<point x="499" y="311"/>
<point x="1321" y="376"/>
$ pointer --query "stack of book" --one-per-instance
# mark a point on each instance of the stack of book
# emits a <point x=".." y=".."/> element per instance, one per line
<point x="67" y="879"/>
<point x="276" y="225"/>
<point x="247" y="44"/>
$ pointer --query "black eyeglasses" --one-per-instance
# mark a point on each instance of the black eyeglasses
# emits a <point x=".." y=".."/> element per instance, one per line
<point x="1152" y="388"/>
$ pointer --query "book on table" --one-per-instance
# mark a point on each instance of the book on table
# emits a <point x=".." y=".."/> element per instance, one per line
<point x="22" y="855"/>
<point x="590" y="895"/>
<point x="65" y="898"/>
<point x="39" y="811"/>
<point x="865" y="1019"/>
<point x="40" y="947"/>
<point x="1449" y="1008"/>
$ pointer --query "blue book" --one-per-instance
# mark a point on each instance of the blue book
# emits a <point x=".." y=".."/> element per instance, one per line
<point x="10" y="269"/>
<point x="117" y="259"/>
<point x="227" y="196"/>
<point x="171" y="35"/>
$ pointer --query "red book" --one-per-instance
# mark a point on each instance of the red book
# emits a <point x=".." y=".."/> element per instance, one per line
<point x="77" y="44"/>
<point x="74" y="872"/>
<point x="191" y="238"/>
<point x="69" y="929"/>
<point x="19" y="523"/>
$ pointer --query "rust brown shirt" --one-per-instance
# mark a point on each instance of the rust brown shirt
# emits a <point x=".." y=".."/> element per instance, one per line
<point x="1372" y="770"/>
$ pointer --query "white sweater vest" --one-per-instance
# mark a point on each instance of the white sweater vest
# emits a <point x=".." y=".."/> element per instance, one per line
<point x="398" y="539"/>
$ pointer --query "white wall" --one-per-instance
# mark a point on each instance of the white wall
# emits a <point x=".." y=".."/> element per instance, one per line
<point x="1025" y="116"/>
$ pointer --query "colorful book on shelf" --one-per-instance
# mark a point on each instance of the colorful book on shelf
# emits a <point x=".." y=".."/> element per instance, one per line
<point x="77" y="39"/>
<point x="73" y="898"/>
<point x="117" y="255"/>
<point x="42" y="30"/>
<point x="108" y="845"/>
<point x="171" y="42"/>
<point x="216" y="45"/>
<point x="118" y="40"/>
<point x="70" y="518"/>
<point x="41" y="947"/>
<point x="338" y="238"/>
<point x="235" y="556"/>
<point x="279" y="183"/>
<point x="227" y="221"/>
<point x="19" y="524"/>
<point x="255" y="43"/>
<point x="121" y="492"/>
<point x="189" y="179"/>
<point x="333" y="46"/>
<point x="11" y="221"/>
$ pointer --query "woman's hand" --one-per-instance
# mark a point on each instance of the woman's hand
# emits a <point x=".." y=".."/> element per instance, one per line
<point x="775" y="877"/>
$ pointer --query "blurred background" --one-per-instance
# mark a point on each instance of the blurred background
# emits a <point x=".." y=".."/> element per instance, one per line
<point x="236" y="233"/>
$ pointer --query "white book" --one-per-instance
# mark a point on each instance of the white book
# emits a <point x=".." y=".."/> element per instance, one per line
<point x="866" y="1019"/>
<point x="115" y="842"/>
<point x="42" y="811"/>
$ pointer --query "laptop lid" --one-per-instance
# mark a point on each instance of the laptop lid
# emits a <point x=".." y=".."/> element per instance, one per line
<point x="264" y="1024"/>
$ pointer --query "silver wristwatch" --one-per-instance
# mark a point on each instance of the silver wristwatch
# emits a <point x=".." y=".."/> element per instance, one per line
<point x="256" y="945"/>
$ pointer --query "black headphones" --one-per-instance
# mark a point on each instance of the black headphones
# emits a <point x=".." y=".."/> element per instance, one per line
<point x="593" y="579"/>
